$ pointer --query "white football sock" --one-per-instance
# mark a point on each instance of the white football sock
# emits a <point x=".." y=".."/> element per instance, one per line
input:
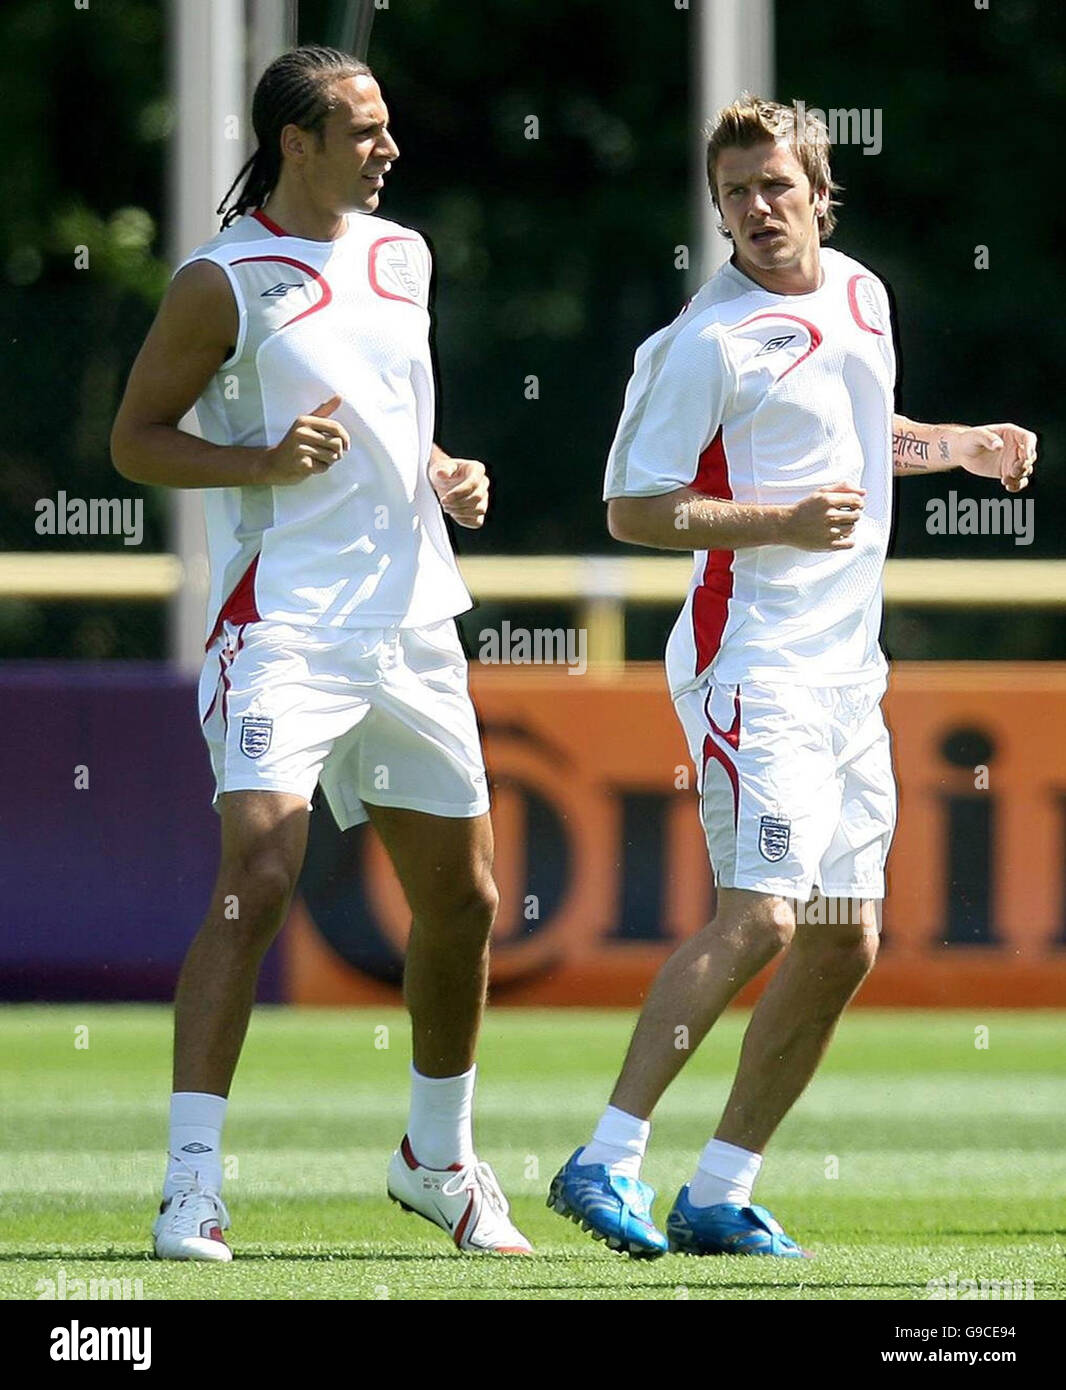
<point x="725" y="1173"/>
<point x="195" y="1146"/>
<point x="440" y="1126"/>
<point x="620" y="1142"/>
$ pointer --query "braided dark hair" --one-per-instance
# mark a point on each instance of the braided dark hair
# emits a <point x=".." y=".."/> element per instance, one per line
<point x="293" y="91"/>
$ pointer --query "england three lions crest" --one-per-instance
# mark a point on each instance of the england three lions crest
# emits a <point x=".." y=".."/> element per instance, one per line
<point x="399" y="269"/>
<point x="775" y="832"/>
<point x="256" y="735"/>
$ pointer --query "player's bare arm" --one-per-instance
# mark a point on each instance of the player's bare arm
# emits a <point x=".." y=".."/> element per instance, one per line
<point x="688" y="520"/>
<point x="1006" y="452"/>
<point x="193" y="334"/>
<point x="462" y="486"/>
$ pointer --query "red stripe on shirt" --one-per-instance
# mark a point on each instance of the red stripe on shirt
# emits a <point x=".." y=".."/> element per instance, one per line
<point x="240" y="607"/>
<point x="320" y="281"/>
<point x="710" y="601"/>
<point x="372" y="270"/>
<point x="269" y="223"/>
<point x="853" y="304"/>
<point x="813" y="331"/>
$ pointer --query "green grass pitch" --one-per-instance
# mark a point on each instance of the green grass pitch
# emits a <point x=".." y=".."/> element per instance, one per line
<point x="950" y="1158"/>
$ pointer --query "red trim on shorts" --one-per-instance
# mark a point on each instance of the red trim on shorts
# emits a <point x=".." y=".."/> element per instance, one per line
<point x="225" y="678"/>
<point x="732" y="734"/>
<point x="710" y="601"/>
<point x="269" y="223"/>
<point x="226" y="658"/>
<point x="240" y="608"/>
<point x="711" y="750"/>
<point x="214" y="697"/>
<point x="225" y="701"/>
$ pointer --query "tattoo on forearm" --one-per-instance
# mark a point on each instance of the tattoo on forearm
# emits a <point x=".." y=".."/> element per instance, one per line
<point x="908" y="451"/>
<point x="944" y="449"/>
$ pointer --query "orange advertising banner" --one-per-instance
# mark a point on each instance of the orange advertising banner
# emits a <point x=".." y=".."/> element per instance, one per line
<point x="602" y="865"/>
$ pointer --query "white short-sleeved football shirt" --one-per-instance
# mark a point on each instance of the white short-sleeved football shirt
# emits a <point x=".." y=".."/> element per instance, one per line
<point x="363" y="544"/>
<point x="765" y="398"/>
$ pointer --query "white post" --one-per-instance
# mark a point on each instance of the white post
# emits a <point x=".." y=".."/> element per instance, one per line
<point x="207" y="54"/>
<point x="734" y="54"/>
<point x="271" y="31"/>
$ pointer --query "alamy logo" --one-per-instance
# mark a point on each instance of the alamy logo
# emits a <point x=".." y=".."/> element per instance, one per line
<point x="93" y="516"/>
<point x="776" y="344"/>
<point x="775" y="833"/>
<point x="987" y="516"/>
<point x="952" y="1287"/>
<point x="539" y="646"/>
<point x="77" y="1343"/>
<point x="280" y="289"/>
<point x="844" y="126"/>
<point x="65" y="1288"/>
<point x="256" y="734"/>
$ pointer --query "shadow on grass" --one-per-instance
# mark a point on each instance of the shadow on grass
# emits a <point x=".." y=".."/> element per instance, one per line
<point x="240" y="1257"/>
<point x="245" y="1259"/>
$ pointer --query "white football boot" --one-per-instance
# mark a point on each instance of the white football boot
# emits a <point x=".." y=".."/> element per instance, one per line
<point x="464" y="1200"/>
<point x="190" y="1225"/>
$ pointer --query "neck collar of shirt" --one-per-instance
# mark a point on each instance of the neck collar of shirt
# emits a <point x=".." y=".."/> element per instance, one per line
<point x="748" y="283"/>
<point x="268" y="222"/>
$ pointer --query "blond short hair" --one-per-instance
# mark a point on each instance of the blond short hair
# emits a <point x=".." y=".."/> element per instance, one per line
<point x="751" y="120"/>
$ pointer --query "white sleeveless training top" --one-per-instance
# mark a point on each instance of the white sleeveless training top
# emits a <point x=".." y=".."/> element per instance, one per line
<point x="363" y="544"/>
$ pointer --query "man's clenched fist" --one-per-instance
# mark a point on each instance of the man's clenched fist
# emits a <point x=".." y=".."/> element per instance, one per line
<point x="826" y="519"/>
<point x="313" y="443"/>
<point x="462" y="486"/>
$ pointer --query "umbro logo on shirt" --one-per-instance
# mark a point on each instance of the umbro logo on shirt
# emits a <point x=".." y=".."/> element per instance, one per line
<point x="280" y="289"/>
<point x="776" y="344"/>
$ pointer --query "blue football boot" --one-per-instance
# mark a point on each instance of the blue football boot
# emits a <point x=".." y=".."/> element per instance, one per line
<point x="726" y="1229"/>
<point x="610" y="1207"/>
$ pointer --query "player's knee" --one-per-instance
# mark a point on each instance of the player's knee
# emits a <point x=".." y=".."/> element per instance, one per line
<point x="255" y="890"/>
<point x="865" y="949"/>
<point x="852" y="955"/>
<point x="481" y="904"/>
<point x="775" y="921"/>
<point x="469" y="906"/>
<point x="847" y="949"/>
<point x="765" y="925"/>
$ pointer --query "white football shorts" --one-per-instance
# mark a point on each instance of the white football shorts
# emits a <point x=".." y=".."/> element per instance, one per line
<point x="796" y="785"/>
<point x="378" y="715"/>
